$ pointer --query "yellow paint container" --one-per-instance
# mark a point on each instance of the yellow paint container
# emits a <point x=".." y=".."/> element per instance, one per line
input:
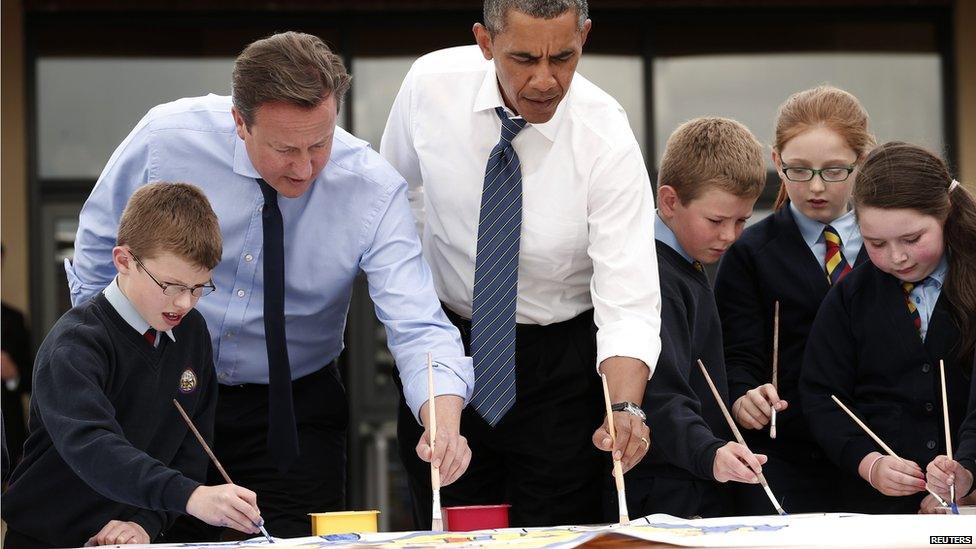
<point x="342" y="522"/>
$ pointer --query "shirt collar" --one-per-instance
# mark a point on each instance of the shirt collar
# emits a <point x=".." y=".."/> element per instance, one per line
<point x="664" y="233"/>
<point x="939" y="274"/>
<point x="126" y="310"/>
<point x="489" y="97"/>
<point x="242" y="162"/>
<point x="812" y="230"/>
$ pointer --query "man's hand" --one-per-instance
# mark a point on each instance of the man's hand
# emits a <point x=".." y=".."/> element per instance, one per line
<point x="451" y="455"/>
<point x="633" y="439"/>
<point x="8" y="368"/>
<point x="117" y="532"/>
<point x="735" y="462"/>
<point x="226" y="505"/>
<point x="942" y="472"/>
<point x="626" y="379"/>
<point x="753" y="410"/>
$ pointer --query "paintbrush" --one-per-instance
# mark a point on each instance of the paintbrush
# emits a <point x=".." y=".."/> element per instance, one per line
<point x="436" y="521"/>
<point x="618" y="470"/>
<point x="738" y="436"/>
<point x="948" y="436"/>
<point x="881" y="443"/>
<point x="216" y="462"/>
<point x="772" y="425"/>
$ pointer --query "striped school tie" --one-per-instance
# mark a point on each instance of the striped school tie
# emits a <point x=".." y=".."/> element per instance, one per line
<point x="698" y="266"/>
<point x="834" y="263"/>
<point x="496" y="278"/>
<point x="907" y="287"/>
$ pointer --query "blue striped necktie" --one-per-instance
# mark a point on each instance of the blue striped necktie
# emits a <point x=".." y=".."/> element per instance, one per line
<point x="496" y="277"/>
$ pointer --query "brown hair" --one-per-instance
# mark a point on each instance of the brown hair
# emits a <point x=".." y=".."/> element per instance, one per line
<point x="171" y="218"/>
<point x="712" y="152"/>
<point x="823" y="106"/>
<point x="289" y="67"/>
<point x="903" y="176"/>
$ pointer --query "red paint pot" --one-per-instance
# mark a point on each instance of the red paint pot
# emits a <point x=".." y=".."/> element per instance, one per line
<point x="475" y="517"/>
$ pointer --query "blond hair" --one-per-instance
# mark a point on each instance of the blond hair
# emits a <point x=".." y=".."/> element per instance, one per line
<point x="290" y="67"/>
<point x="171" y="218"/>
<point x="827" y="107"/>
<point x="713" y="152"/>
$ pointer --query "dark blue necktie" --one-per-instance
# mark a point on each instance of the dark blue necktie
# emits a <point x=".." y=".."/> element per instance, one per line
<point x="282" y="431"/>
<point x="496" y="277"/>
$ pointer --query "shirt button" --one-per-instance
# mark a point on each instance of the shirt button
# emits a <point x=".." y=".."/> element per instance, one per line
<point x="240" y="293"/>
<point x="930" y="445"/>
<point x="926" y="368"/>
<point x="929" y="407"/>
<point x="223" y="375"/>
<point x="248" y="257"/>
<point x="918" y="300"/>
<point x="229" y="334"/>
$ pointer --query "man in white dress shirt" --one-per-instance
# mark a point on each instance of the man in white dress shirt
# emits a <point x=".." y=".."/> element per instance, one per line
<point x="536" y="216"/>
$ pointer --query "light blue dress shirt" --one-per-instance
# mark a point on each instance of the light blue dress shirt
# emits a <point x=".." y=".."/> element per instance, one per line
<point x="926" y="293"/>
<point x="120" y="302"/>
<point x="664" y="233"/>
<point x="354" y="218"/>
<point x="812" y="233"/>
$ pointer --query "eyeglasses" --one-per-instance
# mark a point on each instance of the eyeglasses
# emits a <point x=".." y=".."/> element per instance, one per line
<point x="830" y="174"/>
<point x="173" y="290"/>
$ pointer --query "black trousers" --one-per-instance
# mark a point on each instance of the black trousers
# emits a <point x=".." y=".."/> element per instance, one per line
<point x="801" y="478"/>
<point x="316" y="482"/>
<point x="539" y="458"/>
<point x="684" y="498"/>
<point x="16" y="540"/>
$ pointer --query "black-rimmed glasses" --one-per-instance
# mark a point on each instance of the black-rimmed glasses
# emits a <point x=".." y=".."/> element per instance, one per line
<point x="174" y="290"/>
<point x="830" y="174"/>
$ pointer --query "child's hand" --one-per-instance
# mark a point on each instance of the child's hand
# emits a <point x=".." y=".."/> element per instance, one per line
<point x="226" y="505"/>
<point x="753" y="409"/>
<point x="929" y="506"/>
<point x="117" y="532"/>
<point x="892" y="476"/>
<point x="943" y="472"/>
<point x="735" y="462"/>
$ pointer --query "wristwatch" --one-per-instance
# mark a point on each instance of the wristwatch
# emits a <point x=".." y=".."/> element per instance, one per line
<point x="630" y="408"/>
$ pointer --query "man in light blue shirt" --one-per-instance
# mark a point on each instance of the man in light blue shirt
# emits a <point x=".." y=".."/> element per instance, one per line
<point x="291" y="187"/>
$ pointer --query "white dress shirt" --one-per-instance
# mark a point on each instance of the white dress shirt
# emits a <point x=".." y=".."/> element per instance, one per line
<point x="588" y="211"/>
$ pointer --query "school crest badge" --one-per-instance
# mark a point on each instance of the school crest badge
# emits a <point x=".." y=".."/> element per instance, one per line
<point x="188" y="381"/>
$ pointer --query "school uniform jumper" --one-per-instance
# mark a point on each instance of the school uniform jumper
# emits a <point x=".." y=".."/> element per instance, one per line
<point x="865" y="349"/>
<point x="771" y="261"/>
<point x="106" y="441"/>
<point x="687" y="425"/>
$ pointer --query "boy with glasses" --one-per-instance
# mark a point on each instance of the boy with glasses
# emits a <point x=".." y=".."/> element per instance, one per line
<point x="103" y="427"/>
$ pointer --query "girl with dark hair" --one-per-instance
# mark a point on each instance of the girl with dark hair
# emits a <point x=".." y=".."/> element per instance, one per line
<point x="880" y="334"/>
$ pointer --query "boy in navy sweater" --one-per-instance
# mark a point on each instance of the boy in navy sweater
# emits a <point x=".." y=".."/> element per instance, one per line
<point x="108" y="459"/>
<point x="711" y="174"/>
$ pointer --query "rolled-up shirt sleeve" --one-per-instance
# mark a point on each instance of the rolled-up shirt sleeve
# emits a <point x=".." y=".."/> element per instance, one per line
<point x="402" y="289"/>
<point x="625" y="288"/>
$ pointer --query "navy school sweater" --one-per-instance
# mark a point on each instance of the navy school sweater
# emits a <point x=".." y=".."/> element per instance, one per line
<point x="864" y="349"/>
<point x="687" y="425"/>
<point x="771" y="262"/>
<point x="105" y="440"/>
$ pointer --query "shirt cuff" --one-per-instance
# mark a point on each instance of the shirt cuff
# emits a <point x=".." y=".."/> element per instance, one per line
<point x="629" y="339"/>
<point x="447" y="381"/>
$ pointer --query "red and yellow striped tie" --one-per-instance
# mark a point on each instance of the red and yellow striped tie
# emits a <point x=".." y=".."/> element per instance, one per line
<point x="834" y="263"/>
<point x="907" y="287"/>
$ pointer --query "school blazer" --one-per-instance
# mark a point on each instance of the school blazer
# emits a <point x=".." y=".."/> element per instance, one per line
<point x="864" y="349"/>
<point x="770" y="262"/>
